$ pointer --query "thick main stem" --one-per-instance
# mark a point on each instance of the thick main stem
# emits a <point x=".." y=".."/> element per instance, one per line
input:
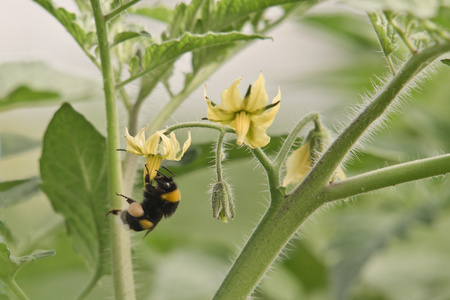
<point x="120" y="242"/>
<point x="276" y="228"/>
<point x="261" y="250"/>
<point x="331" y="159"/>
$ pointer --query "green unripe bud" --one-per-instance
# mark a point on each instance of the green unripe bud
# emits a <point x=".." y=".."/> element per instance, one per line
<point x="222" y="201"/>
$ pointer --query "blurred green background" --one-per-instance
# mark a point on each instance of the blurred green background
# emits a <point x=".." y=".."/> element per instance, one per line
<point x="392" y="244"/>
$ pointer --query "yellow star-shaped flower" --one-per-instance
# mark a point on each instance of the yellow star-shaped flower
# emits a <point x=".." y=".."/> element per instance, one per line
<point x="156" y="148"/>
<point x="249" y="116"/>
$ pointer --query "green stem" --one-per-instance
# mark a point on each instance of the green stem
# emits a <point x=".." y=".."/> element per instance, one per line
<point x="330" y="160"/>
<point x="199" y="125"/>
<point x="122" y="270"/>
<point x="389" y="176"/>
<point x="287" y="145"/>
<point x="273" y="176"/>
<point x="91" y="285"/>
<point x="219" y="156"/>
<point x="401" y="33"/>
<point x="15" y="289"/>
<point x="120" y="9"/>
<point x="263" y="159"/>
<point x="282" y="221"/>
<point x="261" y="250"/>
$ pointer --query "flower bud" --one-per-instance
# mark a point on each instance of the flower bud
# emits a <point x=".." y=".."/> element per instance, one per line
<point x="222" y="201"/>
<point x="300" y="161"/>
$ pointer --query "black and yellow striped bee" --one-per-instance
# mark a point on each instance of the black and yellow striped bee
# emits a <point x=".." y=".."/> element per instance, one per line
<point x="159" y="201"/>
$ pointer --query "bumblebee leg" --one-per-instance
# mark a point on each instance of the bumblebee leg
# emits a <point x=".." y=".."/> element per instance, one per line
<point x="173" y="175"/>
<point x="147" y="175"/>
<point x="129" y="200"/>
<point x="114" y="212"/>
<point x="148" y="231"/>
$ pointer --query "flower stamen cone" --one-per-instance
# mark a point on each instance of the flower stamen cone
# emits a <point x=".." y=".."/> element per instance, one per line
<point x="152" y="163"/>
<point x="242" y="126"/>
<point x="156" y="148"/>
<point x="249" y="116"/>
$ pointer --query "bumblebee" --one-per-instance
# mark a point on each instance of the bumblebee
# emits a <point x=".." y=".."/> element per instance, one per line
<point x="159" y="201"/>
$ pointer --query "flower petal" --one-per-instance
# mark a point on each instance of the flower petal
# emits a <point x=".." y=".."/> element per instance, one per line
<point x="179" y="154"/>
<point x="231" y="97"/>
<point x="166" y="147"/>
<point x="151" y="145"/>
<point x="258" y="96"/>
<point x="266" y="119"/>
<point x="298" y="165"/>
<point x="186" y="145"/>
<point x="256" y="137"/>
<point x="135" y="145"/>
<point x="217" y="114"/>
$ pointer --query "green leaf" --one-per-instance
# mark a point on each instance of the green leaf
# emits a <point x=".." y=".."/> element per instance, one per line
<point x="73" y="170"/>
<point x="5" y="233"/>
<point x="10" y="265"/>
<point x="25" y="84"/>
<point x="385" y="32"/>
<point x="161" y="13"/>
<point x="133" y="66"/>
<point x="27" y="94"/>
<point x="126" y="35"/>
<point x="68" y="20"/>
<point x="227" y="13"/>
<point x="15" y="191"/>
<point x="12" y="144"/>
<point x="185" y="17"/>
<point x="221" y="16"/>
<point x="159" y="55"/>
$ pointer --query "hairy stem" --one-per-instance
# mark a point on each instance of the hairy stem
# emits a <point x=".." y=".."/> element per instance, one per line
<point x="282" y="221"/>
<point x="209" y="125"/>
<point x="122" y="270"/>
<point x="331" y="159"/>
<point x="293" y="135"/>
<point x="120" y="9"/>
<point x="261" y="250"/>
<point x="219" y="156"/>
<point x="389" y="176"/>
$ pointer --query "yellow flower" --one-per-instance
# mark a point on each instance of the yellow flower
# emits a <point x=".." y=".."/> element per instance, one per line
<point x="156" y="148"/>
<point x="249" y="116"/>
<point x="298" y="165"/>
